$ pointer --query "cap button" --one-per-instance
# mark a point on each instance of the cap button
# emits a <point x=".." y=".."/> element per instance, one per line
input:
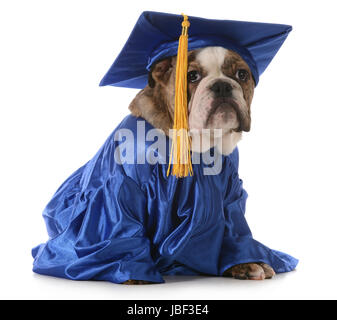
<point x="185" y="23"/>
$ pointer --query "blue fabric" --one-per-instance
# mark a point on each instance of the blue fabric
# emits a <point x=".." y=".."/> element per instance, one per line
<point x="155" y="36"/>
<point x="118" y="222"/>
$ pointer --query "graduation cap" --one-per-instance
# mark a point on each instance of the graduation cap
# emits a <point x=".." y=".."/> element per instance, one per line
<point x="159" y="35"/>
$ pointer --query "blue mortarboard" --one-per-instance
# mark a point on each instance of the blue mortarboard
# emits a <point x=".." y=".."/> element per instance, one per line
<point x="155" y="36"/>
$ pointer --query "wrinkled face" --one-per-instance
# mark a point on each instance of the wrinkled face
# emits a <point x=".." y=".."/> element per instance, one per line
<point x="221" y="88"/>
<point x="220" y="91"/>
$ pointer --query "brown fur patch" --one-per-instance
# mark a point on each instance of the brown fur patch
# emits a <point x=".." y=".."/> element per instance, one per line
<point x="233" y="62"/>
<point x="129" y="282"/>
<point x="155" y="103"/>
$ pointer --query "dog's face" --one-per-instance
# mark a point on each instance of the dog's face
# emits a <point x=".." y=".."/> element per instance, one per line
<point x="221" y="88"/>
<point x="220" y="91"/>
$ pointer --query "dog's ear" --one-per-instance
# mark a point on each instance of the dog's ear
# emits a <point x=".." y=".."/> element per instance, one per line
<point x="160" y="72"/>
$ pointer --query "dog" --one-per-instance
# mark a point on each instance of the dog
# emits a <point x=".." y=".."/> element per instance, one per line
<point x="129" y="222"/>
<point x="220" y="92"/>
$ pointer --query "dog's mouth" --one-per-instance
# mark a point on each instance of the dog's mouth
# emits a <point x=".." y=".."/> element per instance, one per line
<point x="226" y="106"/>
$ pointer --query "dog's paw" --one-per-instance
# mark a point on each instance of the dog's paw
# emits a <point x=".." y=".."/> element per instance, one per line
<point x="137" y="282"/>
<point x="250" y="271"/>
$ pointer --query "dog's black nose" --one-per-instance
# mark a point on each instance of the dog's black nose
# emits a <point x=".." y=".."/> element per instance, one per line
<point x="222" y="89"/>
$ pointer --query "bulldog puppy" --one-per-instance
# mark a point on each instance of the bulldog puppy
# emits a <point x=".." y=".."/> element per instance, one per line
<point x="220" y="92"/>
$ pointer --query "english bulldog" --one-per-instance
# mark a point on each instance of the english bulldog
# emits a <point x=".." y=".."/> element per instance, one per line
<point x="220" y="92"/>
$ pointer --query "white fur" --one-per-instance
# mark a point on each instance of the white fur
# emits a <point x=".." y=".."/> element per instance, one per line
<point x="211" y="60"/>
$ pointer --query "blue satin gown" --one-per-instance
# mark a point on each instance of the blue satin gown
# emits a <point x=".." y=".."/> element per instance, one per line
<point x="116" y="222"/>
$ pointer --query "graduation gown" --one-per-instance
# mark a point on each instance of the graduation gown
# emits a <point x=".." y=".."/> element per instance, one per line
<point x="116" y="222"/>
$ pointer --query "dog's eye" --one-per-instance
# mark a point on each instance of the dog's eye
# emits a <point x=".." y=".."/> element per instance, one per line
<point x="193" y="76"/>
<point x="242" y="74"/>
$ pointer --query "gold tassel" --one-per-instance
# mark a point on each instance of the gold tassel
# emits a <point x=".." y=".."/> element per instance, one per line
<point x="181" y="142"/>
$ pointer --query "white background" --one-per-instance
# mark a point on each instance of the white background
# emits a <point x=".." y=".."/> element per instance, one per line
<point x="54" y="117"/>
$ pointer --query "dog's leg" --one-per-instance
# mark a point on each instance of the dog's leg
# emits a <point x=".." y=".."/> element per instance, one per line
<point x="250" y="271"/>
<point x="137" y="282"/>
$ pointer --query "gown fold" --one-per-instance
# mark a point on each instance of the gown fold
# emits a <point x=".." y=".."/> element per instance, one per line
<point x="115" y="222"/>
